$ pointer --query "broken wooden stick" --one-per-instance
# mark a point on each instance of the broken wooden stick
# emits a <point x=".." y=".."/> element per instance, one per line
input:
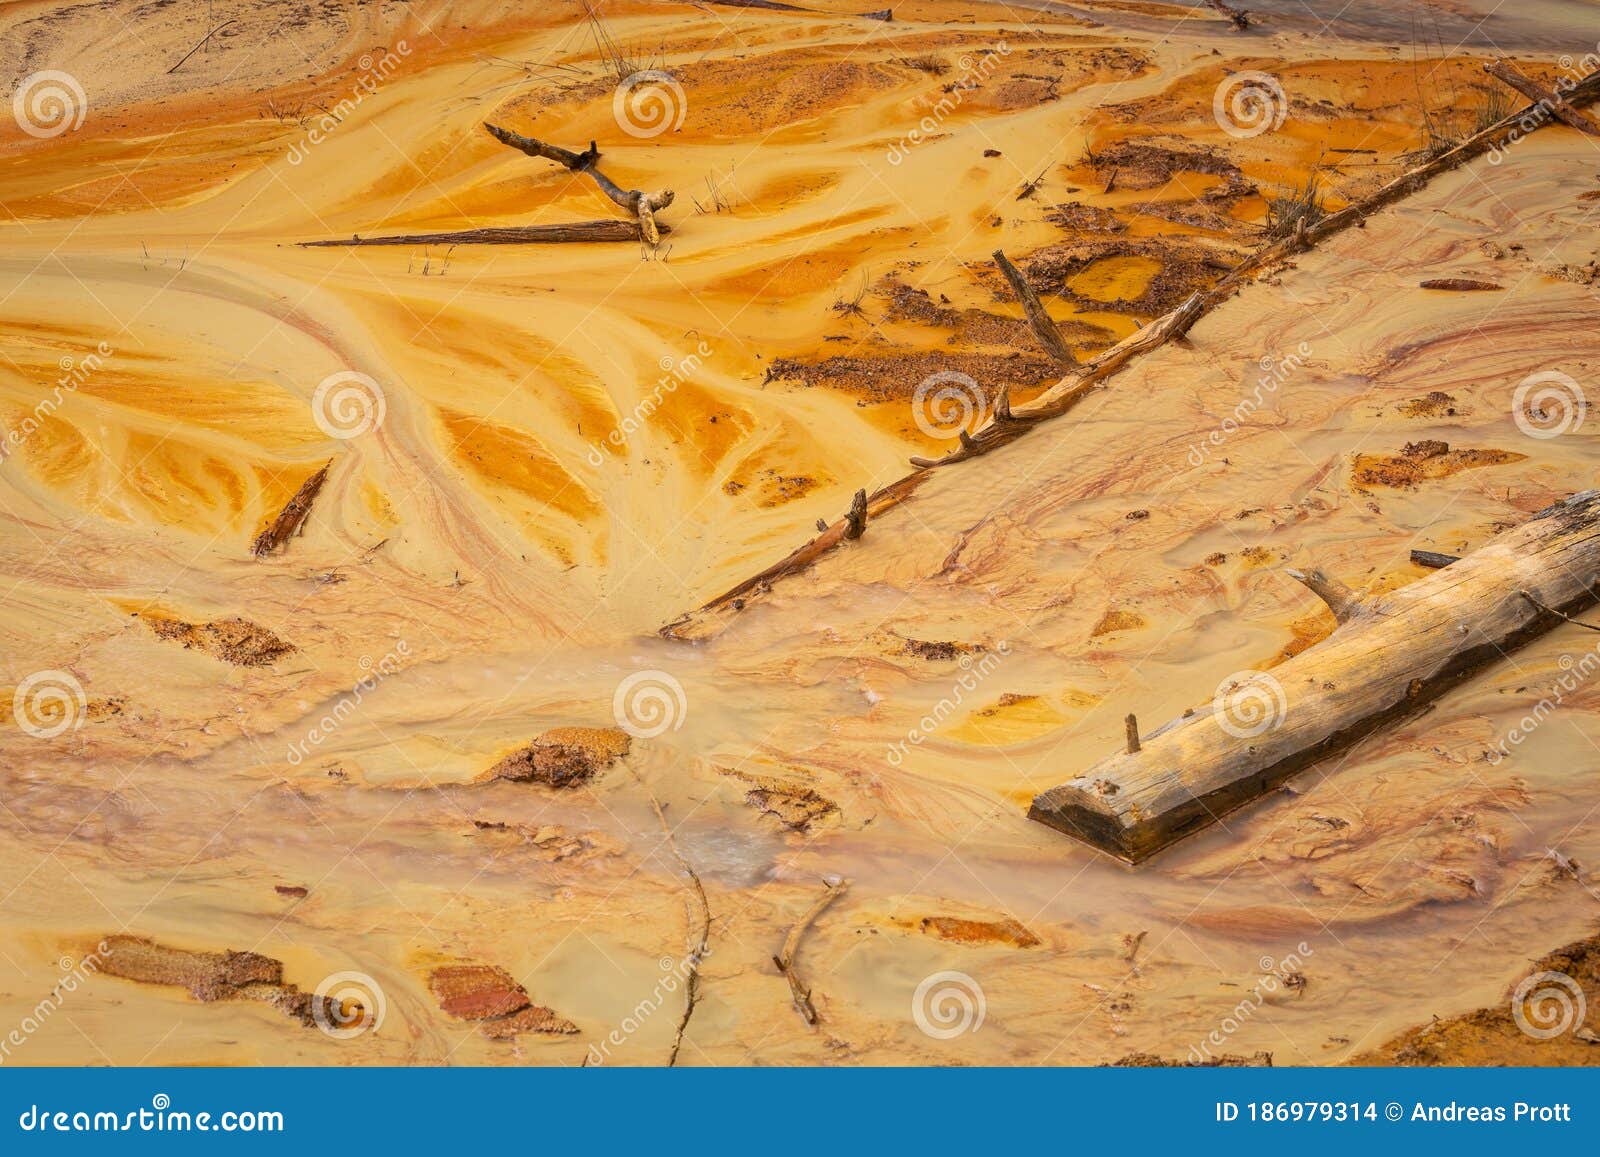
<point x="1132" y="724"/>
<point x="1240" y="18"/>
<point x="1433" y="559"/>
<point x="571" y="231"/>
<point x="1340" y="599"/>
<point x="1508" y="74"/>
<point x="644" y="206"/>
<point x="1389" y="657"/>
<point x="1043" y="326"/>
<point x="791" y="945"/>
<point x="293" y="514"/>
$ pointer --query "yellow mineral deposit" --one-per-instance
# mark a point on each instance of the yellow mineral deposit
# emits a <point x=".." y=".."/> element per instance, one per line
<point x="398" y="750"/>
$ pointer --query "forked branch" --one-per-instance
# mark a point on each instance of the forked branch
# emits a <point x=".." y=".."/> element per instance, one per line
<point x="640" y="204"/>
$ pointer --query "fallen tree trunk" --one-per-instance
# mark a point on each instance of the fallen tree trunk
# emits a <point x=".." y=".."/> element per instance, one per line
<point x="641" y="205"/>
<point x="293" y="514"/>
<point x="573" y="231"/>
<point x="1389" y="657"/>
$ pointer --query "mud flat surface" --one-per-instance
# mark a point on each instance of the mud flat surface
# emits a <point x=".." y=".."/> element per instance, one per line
<point x="427" y="780"/>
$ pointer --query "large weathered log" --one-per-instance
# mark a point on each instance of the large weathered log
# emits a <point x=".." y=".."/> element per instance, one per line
<point x="644" y="206"/>
<point x="1042" y="324"/>
<point x="1389" y="657"/>
<point x="571" y="231"/>
<point x="1506" y="73"/>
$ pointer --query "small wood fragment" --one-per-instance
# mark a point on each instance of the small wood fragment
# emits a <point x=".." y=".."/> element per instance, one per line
<point x="1432" y="558"/>
<point x="856" y="520"/>
<point x="1132" y="723"/>
<point x="293" y="514"/>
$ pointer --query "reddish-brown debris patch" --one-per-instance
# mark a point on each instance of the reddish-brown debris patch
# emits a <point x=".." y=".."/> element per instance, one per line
<point x="228" y="975"/>
<point x="960" y="931"/>
<point x="237" y="641"/>
<point x="1421" y="461"/>
<point x="563" y="756"/>
<point x="488" y="995"/>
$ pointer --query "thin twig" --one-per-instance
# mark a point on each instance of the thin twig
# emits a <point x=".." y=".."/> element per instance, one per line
<point x="1558" y="614"/>
<point x="698" y="952"/>
<point x="791" y="945"/>
<point x="199" y="46"/>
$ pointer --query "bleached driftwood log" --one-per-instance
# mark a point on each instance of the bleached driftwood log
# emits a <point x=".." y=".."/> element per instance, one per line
<point x="644" y="206"/>
<point x="1389" y="657"/>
